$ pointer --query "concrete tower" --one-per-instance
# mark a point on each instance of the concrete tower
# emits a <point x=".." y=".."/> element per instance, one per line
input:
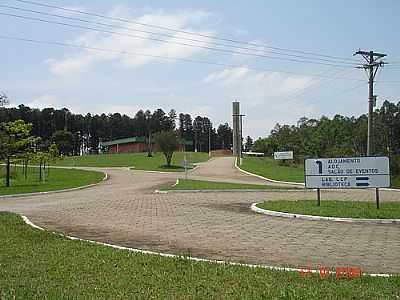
<point x="236" y="129"/>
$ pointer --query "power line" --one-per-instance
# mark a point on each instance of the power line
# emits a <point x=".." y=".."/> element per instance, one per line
<point x="388" y="81"/>
<point x="172" y="36"/>
<point x="317" y="85"/>
<point x="34" y="41"/>
<point x="169" y="42"/>
<point x="311" y="85"/>
<point x="182" y="31"/>
<point x="342" y="92"/>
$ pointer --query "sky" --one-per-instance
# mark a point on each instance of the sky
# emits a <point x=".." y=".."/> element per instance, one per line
<point x="132" y="69"/>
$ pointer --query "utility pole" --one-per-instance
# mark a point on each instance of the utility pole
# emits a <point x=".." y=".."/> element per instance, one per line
<point x="209" y="141"/>
<point x="374" y="61"/>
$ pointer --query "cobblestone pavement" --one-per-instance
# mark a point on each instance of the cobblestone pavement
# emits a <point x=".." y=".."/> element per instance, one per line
<point x="124" y="210"/>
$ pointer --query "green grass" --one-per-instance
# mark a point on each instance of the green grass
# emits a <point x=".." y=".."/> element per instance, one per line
<point x="188" y="184"/>
<point x="41" y="265"/>
<point x="396" y="182"/>
<point x="139" y="161"/>
<point x="330" y="208"/>
<point x="270" y="168"/>
<point x="59" y="179"/>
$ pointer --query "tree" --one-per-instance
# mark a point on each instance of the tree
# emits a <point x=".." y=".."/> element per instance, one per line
<point x="225" y="136"/>
<point x="249" y="144"/>
<point x="64" y="141"/>
<point x="168" y="142"/>
<point x="15" y="140"/>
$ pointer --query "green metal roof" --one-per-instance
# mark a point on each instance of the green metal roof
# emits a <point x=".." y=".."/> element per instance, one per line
<point x="136" y="139"/>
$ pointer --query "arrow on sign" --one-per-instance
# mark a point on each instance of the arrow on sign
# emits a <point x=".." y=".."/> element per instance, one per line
<point x="362" y="184"/>
<point x="362" y="178"/>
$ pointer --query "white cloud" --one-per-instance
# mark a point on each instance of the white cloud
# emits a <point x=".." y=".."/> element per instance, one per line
<point x="44" y="101"/>
<point x="255" y="87"/>
<point x="132" y="42"/>
<point x="264" y="96"/>
<point x="79" y="107"/>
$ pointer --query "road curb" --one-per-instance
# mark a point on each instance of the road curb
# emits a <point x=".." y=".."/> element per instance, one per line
<point x="320" y="218"/>
<point x="265" y="178"/>
<point x="231" y="191"/>
<point x="105" y="178"/>
<point x="195" y="259"/>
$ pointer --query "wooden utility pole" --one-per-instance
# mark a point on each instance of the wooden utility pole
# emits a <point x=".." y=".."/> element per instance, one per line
<point x="374" y="61"/>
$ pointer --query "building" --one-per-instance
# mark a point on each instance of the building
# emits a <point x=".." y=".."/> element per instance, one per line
<point x="133" y="145"/>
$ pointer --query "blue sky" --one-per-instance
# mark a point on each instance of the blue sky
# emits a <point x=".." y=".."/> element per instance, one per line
<point x="88" y="81"/>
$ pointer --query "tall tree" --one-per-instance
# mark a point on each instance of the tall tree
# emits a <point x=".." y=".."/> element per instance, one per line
<point x="249" y="143"/>
<point x="168" y="142"/>
<point x="15" y="141"/>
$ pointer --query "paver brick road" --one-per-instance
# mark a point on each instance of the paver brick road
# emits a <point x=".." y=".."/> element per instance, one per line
<point x="124" y="210"/>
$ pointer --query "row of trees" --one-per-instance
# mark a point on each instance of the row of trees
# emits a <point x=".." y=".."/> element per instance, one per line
<point x="75" y="133"/>
<point x="339" y="136"/>
<point x="17" y="145"/>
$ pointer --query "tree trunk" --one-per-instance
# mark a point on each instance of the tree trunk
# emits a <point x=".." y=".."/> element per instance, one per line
<point x="168" y="157"/>
<point x="26" y="169"/>
<point x="40" y="170"/>
<point x="8" y="172"/>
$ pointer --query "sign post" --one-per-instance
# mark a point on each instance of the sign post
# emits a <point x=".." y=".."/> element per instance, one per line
<point x="283" y="155"/>
<point x="347" y="173"/>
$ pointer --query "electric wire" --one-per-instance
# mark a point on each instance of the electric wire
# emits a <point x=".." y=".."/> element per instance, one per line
<point x="169" y="42"/>
<point x="171" y="35"/>
<point x="182" y="31"/>
<point x="170" y="58"/>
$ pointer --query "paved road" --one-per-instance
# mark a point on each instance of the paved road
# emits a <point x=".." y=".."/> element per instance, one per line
<point x="125" y="211"/>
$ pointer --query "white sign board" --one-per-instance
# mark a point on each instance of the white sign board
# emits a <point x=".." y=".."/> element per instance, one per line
<point x="283" y="155"/>
<point x="351" y="172"/>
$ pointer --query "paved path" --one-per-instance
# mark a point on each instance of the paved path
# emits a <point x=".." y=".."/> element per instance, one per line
<point x="125" y="211"/>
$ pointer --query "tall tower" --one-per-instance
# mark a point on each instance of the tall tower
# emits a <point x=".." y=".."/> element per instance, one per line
<point x="236" y="129"/>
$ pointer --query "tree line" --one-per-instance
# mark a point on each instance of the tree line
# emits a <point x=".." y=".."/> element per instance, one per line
<point x="77" y="133"/>
<point x="338" y="136"/>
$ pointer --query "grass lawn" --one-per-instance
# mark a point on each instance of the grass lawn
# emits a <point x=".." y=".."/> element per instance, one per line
<point x="41" y="265"/>
<point x="59" y="179"/>
<point x="188" y="184"/>
<point x="139" y="161"/>
<point x="396" y="182"/>
<point x="270" y="168"/>
<point x="329" y="208"/>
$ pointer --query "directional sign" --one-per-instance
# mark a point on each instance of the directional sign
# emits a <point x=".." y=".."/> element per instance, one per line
<point x="283" y="155"/>
<point x="350" y="172"/>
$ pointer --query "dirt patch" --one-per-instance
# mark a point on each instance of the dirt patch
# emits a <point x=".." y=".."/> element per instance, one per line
<point x="238" y="207"/>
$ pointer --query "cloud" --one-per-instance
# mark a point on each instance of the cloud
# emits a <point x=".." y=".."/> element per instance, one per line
<point x="45" y="101"/>
<point x="264" y="96"/>
<point x="255" y="87"/>
<point x="134" y="42"/>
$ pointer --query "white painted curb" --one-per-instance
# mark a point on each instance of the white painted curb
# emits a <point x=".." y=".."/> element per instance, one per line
<point x="265" y="178"/>
<point x="57" y="191"/>
<point x="232" y="191"/>
<point x="28" y="222"/>
<point x="319" y="218"/>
